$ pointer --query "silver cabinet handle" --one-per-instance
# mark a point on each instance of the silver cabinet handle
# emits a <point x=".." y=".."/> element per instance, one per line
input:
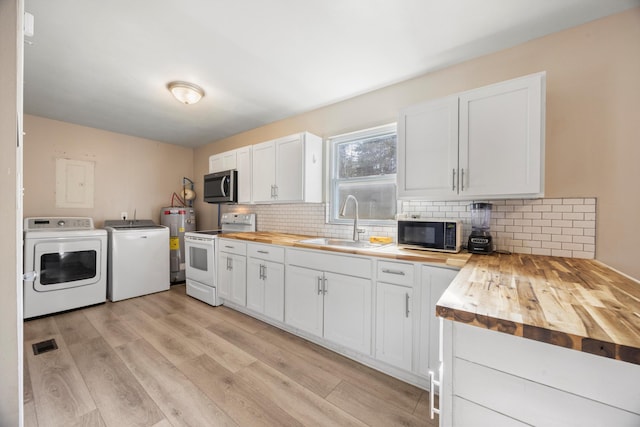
<point x="275" y="189"/>
<point x="264" y="271"/>
<point x="398" y="272"/>
<point x="229" y="247"/>
<point x="325" y="288"/>
<point x="319" y="285"/>
<point x="462" y="180"/>
<point x="406" y="305"/>
<point x="453" y="180"/>
<point x="229" y="264"/>
<point x="263" y="252"/>
<point x="432" y="401"/>
<point x="260" y="273"/>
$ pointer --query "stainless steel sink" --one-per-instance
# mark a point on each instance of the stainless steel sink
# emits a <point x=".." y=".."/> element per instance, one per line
<point x="344" y="243"/>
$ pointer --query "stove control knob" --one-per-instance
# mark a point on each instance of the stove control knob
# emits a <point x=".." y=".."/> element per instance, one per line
<point x="61" y="223"/>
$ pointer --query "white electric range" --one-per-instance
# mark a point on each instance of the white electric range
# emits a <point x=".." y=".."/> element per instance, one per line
<point x="201" y="259"/>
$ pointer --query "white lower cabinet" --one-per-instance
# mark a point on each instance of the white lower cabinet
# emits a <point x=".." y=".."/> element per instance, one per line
<point x="304" y="302"/>
<point x="434" y="281"/>
<point x="395" y="313"/>
<point x="265" y="280"/>
<point x="394" y="325"/>
<point x="330" y="304"/>
<point x="377" y="311"/>
<point x="493" y="378"/>
<point x="232" y="271"/>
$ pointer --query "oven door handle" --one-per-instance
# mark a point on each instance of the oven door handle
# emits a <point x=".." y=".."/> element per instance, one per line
<point x="30" y="276"/>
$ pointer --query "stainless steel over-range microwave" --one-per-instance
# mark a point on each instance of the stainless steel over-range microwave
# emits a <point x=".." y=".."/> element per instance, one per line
<point x="221" y="187"/>
<point x="430" y="234"/>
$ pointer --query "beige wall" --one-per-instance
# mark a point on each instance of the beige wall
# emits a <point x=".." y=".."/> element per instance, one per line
<point x="130" y="173"/>
<point x="593" y="120"/>
<point x="11" y="244"/>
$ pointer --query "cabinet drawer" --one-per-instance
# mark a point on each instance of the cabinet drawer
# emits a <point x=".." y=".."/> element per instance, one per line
<point x="559" y="367"/>
<point x="320" y="260"/>
<point x="266" y="252"/>
<point x="531" y="402"/>
<point x="470" y="414"/>
<point x="202" y="292"/>
<point x="395" y="272"/>
<point x="233" y="246"/>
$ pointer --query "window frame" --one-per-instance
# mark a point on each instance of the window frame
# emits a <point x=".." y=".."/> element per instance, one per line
<point x="333" y="182"/>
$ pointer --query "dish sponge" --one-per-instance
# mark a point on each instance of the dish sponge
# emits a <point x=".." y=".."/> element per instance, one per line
<point x="380" y="240"/>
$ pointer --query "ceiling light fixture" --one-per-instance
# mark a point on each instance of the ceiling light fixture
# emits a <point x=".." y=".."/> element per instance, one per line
<point x="187" y="93"/>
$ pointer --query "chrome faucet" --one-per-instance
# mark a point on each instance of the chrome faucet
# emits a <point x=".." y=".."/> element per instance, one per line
<point x="356" y="230"/>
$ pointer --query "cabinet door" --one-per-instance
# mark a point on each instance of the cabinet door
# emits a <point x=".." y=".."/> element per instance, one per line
<point x="347" y="311"/>
<point x="501" y="139"/>
<point x="224" y="276"/>
<point x="255" y="285"/>
<point x="394" y="325"/>
<point x="273" y="277"/>
<point x="263" y="171"/>
<point x="435" y="281"/>
<point x="215" y="163"/>
<point x="303" y="299"/>
<point x="229" y="160"/>
<point x="289" y="169"/>
<point x="428" y="150"/>
<point x="243" y="166"/>
<point x="238" y="279"/>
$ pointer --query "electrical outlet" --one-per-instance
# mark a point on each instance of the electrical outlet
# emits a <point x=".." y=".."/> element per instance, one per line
<point x="123" y="215"/>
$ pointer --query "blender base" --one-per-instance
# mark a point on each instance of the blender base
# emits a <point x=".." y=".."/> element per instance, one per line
<point x="480" y="244"/>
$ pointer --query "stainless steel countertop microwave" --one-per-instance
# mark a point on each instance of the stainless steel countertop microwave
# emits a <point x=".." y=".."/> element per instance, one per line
<point x="442" y="235"/>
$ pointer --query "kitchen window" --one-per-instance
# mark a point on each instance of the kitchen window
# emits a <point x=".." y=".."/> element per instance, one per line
<point x="363" y="164"/>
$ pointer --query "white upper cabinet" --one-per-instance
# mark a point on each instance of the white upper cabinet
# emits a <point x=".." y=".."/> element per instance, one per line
<point x="288" y="170"/>
<point x="223" y="161"/>
<point x="243" y="165"/>
<point x="483" y="143"/>
<point x="428" y="149"/>
<point x="501" y="147"/>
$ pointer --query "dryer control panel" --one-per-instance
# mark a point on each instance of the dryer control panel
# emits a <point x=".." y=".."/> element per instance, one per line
<point x="58" y="223"/>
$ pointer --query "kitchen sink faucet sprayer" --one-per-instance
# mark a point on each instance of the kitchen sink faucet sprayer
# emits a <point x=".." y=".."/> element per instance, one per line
<point x="356" y="230"/>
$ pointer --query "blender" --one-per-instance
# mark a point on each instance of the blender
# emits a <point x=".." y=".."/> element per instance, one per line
<point x="480" y="241"/>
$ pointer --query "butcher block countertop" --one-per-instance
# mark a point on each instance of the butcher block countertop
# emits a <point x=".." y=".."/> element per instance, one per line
<point x="573" y="303"/>
<point x="387" y="251"/>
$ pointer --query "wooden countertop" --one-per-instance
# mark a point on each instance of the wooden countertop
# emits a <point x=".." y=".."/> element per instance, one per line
<point x="388" y="251"/>
<point x="573" y="303"/>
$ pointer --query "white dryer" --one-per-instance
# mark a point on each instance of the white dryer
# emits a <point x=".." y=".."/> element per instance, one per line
<point x="65" y="265"/>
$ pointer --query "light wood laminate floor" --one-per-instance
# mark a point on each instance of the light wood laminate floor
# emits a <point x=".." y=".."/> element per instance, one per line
<point x="169" y="360"/>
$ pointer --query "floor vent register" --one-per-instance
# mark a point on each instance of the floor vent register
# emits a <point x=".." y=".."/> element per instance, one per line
<point x="44" y="346"/>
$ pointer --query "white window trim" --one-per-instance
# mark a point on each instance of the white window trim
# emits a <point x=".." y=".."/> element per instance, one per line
<point x="330" y="183"/>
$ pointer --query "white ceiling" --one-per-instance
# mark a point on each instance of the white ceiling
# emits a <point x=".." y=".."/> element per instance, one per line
<point x="106" y="64"/>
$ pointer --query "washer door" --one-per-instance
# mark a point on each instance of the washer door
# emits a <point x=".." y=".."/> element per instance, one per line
<point x="67" y="264"/>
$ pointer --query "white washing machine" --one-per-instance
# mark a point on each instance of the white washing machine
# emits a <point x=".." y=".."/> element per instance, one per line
<point x="138" y="260"/>
<point x="65" y="265"/>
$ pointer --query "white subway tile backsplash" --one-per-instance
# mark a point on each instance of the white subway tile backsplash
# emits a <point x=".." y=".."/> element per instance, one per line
<point x="562" y="253"/>
<point x="541" y="208"/>
<point x="551" y="201"/>
<point x="572" y="201"/>
<point x="557" y="227"/>
<point x="562" y="208"/>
